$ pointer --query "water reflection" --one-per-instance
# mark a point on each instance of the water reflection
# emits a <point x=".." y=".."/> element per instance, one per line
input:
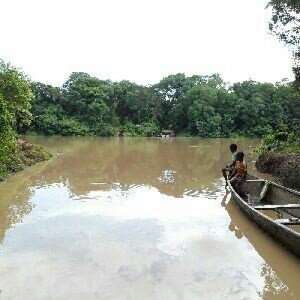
<point x="15" y="197"/>
<point x="280" y="269"/>
<point x="134" y="219"/>
<point x="189" y="164"/>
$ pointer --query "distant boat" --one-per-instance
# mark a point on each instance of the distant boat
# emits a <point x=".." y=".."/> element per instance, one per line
<point x="167" y="133"/>
<point x="121" y="132"/>
<point x="260" y="195"/>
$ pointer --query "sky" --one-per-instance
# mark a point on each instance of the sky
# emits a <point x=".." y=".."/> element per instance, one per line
<point x="141" y="41"/>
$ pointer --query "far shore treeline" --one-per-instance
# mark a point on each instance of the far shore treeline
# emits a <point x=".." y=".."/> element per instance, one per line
<point x="198" y="105"/>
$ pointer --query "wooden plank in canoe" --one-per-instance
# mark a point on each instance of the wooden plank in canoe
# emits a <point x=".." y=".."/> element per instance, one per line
<point x="255" y="180"/>
<point x="293" y="221"/>
<point x="277" y="206"/>
<point x="264" y="190"/>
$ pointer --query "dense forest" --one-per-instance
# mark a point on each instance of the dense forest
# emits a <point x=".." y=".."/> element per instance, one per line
<point x="202" y="106"/>
<point x="198" y="105"/>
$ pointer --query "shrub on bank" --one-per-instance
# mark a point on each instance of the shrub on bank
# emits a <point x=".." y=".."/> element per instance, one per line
<point x="147" y="129"/>
<point x="24" y="154"/>
<point x="281" y="142"/>
<point x="106" y="130"/>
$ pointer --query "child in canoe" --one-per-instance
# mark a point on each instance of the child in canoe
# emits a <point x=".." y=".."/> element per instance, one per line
<point x="230" y="168"/>
<point x="241" y="171"/>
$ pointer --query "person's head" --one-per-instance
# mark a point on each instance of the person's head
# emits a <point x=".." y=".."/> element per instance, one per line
<point x="233" y="148"/>
<point x="240" y="156"/>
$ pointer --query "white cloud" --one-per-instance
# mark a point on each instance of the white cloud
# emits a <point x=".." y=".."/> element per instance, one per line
<point x="141" y="40"/>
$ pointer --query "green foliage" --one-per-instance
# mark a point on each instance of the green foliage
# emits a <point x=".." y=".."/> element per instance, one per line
<point x="7" y="137"/>
<point x="131" y="129"/>
<point x="282" y="142"/>
<point x="31" y="154"/>
<point x="150" y="129"/>
<point x="16" y="90"/>
<point x="68" y="126"/>
<point x="285" y="24"/>
<point x="145" y="129"/>
<point x="285" y="21"/>
<point x="15" y="101"/>
<point x="51" y="123"/>
<point x="15" y="97"/>
<point x="196" y="105"/>
<point x="203" y="118"/>
<point x="106" y="130"/>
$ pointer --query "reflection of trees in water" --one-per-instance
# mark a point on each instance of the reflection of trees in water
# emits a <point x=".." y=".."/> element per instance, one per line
<point x="14" y="202"/>
<point x="280" y="268"/>
<point x="15" y="196"/>
<point x="142" y="161"/>
<point x="195" y="163"/>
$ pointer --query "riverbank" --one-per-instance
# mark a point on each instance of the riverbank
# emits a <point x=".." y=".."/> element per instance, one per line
<point x="25" y="154"/>
<point x="286" y="167"/>
<point x="279" y="155"/>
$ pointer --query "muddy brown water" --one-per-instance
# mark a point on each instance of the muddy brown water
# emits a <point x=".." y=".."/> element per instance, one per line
<point x="126" y="218"/>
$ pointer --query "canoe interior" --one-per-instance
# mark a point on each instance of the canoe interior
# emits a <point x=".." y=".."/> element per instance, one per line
<point x="274" y="194"/>
<point x="276" y="220"/>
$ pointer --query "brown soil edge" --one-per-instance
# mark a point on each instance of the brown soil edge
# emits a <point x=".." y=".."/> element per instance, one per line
<point x="286" y="167"/>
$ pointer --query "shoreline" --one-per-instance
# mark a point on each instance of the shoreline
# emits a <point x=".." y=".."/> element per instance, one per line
<point x="26" y="155"/>
<point x="285" y="167"/>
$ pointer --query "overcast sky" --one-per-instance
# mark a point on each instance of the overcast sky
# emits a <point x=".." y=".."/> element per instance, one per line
<point x="141" y="40"/>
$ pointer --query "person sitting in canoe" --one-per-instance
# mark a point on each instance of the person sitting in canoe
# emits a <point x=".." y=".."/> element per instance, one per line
<point x="241" y="171"/>
<point x="230" y="168"/>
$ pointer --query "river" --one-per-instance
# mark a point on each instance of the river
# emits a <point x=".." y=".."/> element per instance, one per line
<point x="135" y="218"/>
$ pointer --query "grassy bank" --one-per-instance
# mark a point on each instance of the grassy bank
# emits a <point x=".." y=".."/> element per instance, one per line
<point x="23" y="155"/>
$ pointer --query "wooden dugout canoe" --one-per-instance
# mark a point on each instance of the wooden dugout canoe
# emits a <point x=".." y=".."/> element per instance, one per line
<point x="275" y="208"/>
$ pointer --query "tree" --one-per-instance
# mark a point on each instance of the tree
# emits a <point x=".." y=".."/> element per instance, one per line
<point x="99" y="113"/>
<point x="15" y="97"/>
<point x="7" y="136"/>
<point x="203" y="118"/>
<point x="80" y="91"/>
<point x="196" y="105"/>
<point x="15" y="89"/>
<point x="285" y="24"/>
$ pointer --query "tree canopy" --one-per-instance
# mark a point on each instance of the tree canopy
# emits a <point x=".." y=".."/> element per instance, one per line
<point x="285" y="24"/>
<point x="197" y="105"/>
<point x="15" y="98"/>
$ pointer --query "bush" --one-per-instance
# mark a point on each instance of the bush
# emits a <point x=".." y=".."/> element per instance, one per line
<point x="145" y="129"/>
<point x="150" y="129"/>
<point x="70" y="126"/>
<point x="7" y="138"/>
<point x="282" y="142"/>
<point x="30" y="154"/>
<point x="131" y="129"/>
<point x="106" y="130"/>
<point x="51" y="124"/>
<point x="24" y="154"/>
